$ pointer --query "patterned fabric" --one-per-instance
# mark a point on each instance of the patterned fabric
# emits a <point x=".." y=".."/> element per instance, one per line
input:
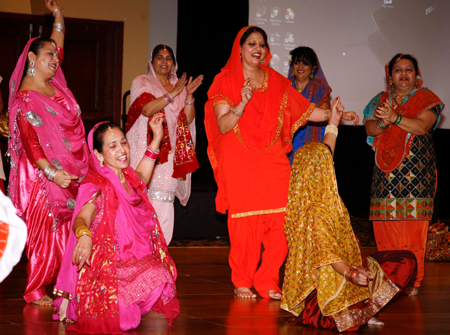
<point x="185" y="159"/>
<point x="318" y="92"/>
<point x="319" y="233"/>
<point x="408" y="191"/>
<point x="438" y="243"/>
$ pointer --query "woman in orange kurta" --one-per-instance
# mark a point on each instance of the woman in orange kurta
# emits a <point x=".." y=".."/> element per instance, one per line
<point x="250" y="117"/>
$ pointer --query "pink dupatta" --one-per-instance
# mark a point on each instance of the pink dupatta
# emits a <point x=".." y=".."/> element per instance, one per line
<point x="62" y="137"/>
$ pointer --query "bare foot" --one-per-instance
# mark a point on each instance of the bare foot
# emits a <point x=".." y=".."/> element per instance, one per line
<point x="374" y="321"/>
<point x="44" y="301"/>
<point x="274" y="294"/>
<point x="244" y="292"/>
<point x="412" y="291"/>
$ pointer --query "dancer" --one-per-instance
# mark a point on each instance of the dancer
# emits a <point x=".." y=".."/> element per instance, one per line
<point x="399" y="125"/>
<point x="48" y="154"/>
<point x="250" y="117"/>
<point x="116" y="266"/>
<point x="328" y="284"/>
<point x="161" y="90"/>
<point x="307" y="77"/>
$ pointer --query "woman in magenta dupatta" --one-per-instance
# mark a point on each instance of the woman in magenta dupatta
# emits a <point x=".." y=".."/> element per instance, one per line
<point x="47" y="134"/>
<point x="124" y="270"/>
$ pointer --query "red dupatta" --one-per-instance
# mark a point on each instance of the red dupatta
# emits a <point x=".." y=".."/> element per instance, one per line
<point x="393" y="144"/>
<point x="275" y="111"/>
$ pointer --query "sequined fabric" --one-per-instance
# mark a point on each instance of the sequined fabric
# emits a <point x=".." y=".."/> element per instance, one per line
<point x="318" y="233"/>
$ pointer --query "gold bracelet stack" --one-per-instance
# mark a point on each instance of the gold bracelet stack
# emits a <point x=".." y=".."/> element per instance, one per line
<point x="235" y="113"/>
<point x="331" y="129"/>
<point x="83" y="230"/>
<point x="327" y="115"/>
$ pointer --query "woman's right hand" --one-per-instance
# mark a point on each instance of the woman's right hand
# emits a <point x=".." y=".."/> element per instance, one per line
<point x="247" y="92"/>
<point x="82" y="251"/>
<point x="362" y="277"/>
<point x="156" y="125"/>
<point x="336" y="111"/>
<point x="179" y="86"/>
<point x="51" y="5"/>
<point x="63" y="178"/>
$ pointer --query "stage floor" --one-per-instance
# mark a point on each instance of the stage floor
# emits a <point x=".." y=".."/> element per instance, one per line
<point x="208" y="305"/>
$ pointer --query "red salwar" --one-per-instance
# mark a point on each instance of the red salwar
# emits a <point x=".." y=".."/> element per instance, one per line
<point x="403" y="235"/>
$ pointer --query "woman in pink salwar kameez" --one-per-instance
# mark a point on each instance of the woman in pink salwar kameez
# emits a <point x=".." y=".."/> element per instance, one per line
<point x="48" y="155"/>
<point x="116" y="267"/>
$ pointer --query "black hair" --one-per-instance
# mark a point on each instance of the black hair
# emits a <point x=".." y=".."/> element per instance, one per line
<point x="397" y="57"/>
<point x="250" y="31"/>
<point x="98" y="134"/>
<point x="35" y="46"/>
<point x="160" y="47"/>
<point x="306" y="55"/>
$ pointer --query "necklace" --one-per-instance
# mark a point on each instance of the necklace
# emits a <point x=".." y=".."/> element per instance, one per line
<point x="400" y="98"/>
<point x="122" y="179"/>
<point x="165" y="82"/>
<point x="301" y="88"/>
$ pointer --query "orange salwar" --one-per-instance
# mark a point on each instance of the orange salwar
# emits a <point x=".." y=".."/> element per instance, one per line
<point x="246" y="236"/>
<point x="403" y="235"/>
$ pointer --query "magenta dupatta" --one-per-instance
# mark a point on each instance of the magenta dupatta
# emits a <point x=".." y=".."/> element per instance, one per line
<point x="62" y="137"/>
<point x="95" y="292"/>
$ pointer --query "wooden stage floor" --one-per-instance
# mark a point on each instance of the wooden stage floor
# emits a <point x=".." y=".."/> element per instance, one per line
<point x="208" y="305"/>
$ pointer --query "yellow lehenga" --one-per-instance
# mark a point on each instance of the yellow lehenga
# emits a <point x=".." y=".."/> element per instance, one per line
<point x="319" y="233"/>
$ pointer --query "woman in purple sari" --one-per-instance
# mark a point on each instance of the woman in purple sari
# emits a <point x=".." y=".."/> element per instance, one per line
<point x="48" y="155"/>
<point x="116" y="262"/>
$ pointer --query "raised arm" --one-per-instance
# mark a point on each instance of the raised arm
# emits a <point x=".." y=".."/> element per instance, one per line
<point x="58" y="26"/>
<point x="147" y="163"/>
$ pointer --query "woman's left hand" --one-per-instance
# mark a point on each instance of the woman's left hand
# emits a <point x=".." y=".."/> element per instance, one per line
<point x="193" y="84"/>
<point x="82" y="251"/>
<point x="362" y="277"/>
<point x="351" y="116"/>
<point x="156" y="125"/>
<point x="386" y="112"/>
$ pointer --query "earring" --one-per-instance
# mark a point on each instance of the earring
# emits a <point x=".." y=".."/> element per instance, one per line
<point x="172" y="72"/>
<point x="101" y="163"/>
<point x="31" y="70"/>
<point x="263" y="61"/>
<point x="311" y="76"/>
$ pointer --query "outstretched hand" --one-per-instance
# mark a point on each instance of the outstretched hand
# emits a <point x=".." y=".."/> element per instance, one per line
<point x="351" y="116"/>
<point x="193" y="84"/>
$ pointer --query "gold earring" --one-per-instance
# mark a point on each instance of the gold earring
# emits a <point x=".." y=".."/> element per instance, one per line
<point x="101" y="162"/>
<point x="311" y="76"/>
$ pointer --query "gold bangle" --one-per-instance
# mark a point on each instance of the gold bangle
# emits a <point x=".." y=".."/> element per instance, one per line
<point x="327" y="115"/>
<point x="235" y="113"/>
<point x="83" y="230"/>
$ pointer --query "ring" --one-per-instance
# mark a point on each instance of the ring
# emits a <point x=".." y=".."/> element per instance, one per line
<point x="80" y="257"/>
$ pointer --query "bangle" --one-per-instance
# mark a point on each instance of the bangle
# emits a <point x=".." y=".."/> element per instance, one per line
<point x="61" y="9"/>
<point x="151" y="154"/>
<point x="189" y="103"/>
<point x="50" y="172"/>
<point x="168" y="98"/>
<point x="59" y="27"/>
<point x="381" y="126"/>
<point x="398" y="119"/>
<point x="235" y="113"/>
<point x="331" y="129"/>
<point x="83" y="230"/>
<point x="345" y="272"/>
<point x="327" y="115"/>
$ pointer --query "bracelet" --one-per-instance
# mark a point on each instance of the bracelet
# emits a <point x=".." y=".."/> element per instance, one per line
<point x="61" y="9"/>
<point x="168" y="98"/>
<point x="50" y="172"/>
<point x="189" y="103"/>
<point x="83" y="230"/>
<point x="151" y="154"/>
<point x="59" y="27"/>
<point x="381" y="126"/>
<point x="331" y="129"/>
<point x="398" y="119"/>
<point x="353" y="276"/>
<point x="327" y="115"/>
<point x="345" y="272"/>
<point x="235" y="113"/>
